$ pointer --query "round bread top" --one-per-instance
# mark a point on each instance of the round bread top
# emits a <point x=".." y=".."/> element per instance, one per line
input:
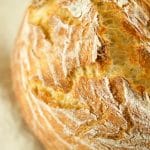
<point x="91" y="56"/>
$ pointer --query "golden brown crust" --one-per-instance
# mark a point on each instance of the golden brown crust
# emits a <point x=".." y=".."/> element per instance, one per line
<point x="82" y="73"/>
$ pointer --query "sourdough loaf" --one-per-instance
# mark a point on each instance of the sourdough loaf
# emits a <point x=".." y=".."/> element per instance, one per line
<point x="81" y="73"/>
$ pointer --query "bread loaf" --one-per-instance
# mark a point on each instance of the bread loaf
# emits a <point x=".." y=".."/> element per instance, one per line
<point x="81" y="73"/>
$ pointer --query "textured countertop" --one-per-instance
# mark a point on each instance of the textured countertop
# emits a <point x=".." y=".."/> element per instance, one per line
<point x="14" y="135"/>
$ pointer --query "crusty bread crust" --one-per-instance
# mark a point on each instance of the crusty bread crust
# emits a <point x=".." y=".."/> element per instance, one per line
<point x="81" y="73"/>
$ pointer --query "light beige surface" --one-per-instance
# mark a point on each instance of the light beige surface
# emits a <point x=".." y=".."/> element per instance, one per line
<point x="14" y="135"/>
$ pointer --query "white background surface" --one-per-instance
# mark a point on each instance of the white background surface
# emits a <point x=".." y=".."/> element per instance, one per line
<point x="14" y="134"/>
